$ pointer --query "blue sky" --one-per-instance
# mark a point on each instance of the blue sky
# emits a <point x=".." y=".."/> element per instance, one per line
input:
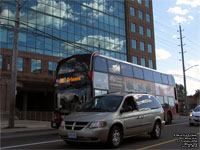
<point x="168" y="14"/>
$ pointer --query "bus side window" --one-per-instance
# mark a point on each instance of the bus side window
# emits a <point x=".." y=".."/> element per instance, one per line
<point x="100" y="64"/>
<point x="138" y="72"/>
<point x="114" y="67"/>
<point x="126" y="70"/>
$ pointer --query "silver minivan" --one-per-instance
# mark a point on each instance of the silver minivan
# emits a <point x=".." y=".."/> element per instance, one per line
<point x="112" y="117"/>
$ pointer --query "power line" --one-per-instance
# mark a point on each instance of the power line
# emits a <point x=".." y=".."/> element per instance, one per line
<point x="48" y="35"/>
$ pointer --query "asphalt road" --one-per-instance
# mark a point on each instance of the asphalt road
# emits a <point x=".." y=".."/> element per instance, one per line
<point x="178" y="135"/>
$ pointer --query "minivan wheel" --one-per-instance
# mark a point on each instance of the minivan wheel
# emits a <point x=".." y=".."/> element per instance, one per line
<point x="156" y="132"/>
<point x="115" y="137"/>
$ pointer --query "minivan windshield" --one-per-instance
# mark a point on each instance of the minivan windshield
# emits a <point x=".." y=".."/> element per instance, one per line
<point x="102" y="104"/>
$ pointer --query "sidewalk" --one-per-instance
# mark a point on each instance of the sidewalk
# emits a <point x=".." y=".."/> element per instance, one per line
<point x="25" y="125"/>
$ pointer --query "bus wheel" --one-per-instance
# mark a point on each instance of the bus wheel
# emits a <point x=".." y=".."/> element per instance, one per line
<point x="169" y="118"/>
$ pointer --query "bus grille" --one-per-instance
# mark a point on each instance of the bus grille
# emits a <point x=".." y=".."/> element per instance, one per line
<point x="71" y="125"/>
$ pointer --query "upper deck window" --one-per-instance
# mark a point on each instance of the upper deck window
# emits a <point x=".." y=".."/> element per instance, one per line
<point x="114" y="67"/>
<point x="100" y="64"/>
<point x="148" y="75"/>
<point x="138" y="73"/>
<point x="164" y="79"/>
<point x="127" y="70"/>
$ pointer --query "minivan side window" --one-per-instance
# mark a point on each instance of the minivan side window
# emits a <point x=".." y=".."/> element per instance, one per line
<point x="147" y="102"/>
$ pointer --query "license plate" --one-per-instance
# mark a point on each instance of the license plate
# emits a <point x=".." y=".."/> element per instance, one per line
<point x="72" y="135"/>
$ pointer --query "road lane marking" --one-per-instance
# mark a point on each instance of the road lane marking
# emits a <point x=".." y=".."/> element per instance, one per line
<point x="15" y="146"/>
<point x="157" y="144"/>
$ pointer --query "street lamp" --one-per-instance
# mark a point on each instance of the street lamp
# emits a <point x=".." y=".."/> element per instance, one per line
<point x="190" y="67"/>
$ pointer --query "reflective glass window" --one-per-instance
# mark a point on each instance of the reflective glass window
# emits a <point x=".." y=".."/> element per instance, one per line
<point x="142" y="61"/>
<point x="141" y="30"/>
<point x="134" y="46"/>
<point x="138" y="73"/>
<point x="52" y="67"/>
<point x="142" y="46"/>
<point x="132" y="10"/>
<point x="157" y="77"/>
<point x="22" y="39"/>
<point x="148" y="75"/>
<point x="171" y="101"/>
<point x="147" y="4"/>
<point x="1" y="61"/>
<point x="3" y="35"/>
<point x="164" y="79"/>
<point x="126" y="70"/>
<point x="149" y="48"/>
<point x="114" y="67"/>
<point x="100" y="64"/>
<point x="135" y="59"/>
<point x="36" y="66"/>
<point x="20" y="62"/>
<point x="149" y="33"/>
<point x="148" y="18"/>
<point x="140" y="14"/>
<point x="139" y="1"/>
<point x="171" y="80"/>
<point x="160" y="99"/>
<point x="133" y="29"/>
<point x="150" y="63"/>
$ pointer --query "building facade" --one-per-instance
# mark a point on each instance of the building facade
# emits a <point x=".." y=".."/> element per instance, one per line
<point x="54" y="29"/>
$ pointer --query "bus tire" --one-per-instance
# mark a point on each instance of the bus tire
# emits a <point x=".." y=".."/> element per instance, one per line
<point x="169" y="118"/>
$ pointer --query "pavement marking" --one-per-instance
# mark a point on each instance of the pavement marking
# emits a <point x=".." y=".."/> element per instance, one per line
<point x="15" y="146"/>
<point x="157" y="144"/>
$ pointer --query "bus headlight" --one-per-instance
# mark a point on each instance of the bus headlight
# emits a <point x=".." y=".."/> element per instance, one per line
<point x="97" y="124"/>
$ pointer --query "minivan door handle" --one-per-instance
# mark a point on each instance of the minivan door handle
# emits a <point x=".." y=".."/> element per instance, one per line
<point x="140" y="117"/>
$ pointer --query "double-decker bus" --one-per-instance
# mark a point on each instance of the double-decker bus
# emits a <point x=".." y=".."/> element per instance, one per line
<point x="81" y="77"/>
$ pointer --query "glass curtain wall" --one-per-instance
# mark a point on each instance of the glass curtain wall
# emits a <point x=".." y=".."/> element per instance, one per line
<point x="54" y="27"/>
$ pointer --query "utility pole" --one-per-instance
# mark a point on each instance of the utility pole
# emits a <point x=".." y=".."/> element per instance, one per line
<point x="183" y="64"/>
<point x="11" y="123"/>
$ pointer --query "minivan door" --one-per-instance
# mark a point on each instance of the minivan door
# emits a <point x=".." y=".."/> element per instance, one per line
<point x="131" y="117"/>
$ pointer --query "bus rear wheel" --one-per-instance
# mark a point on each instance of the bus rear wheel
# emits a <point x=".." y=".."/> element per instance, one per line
<point x="169" y="118"/>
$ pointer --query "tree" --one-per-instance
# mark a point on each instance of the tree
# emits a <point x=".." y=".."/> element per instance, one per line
<point x="197" y="93"/>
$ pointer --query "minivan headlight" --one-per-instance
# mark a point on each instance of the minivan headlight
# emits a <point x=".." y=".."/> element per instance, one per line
<point x="62" y="125"/>
<point x="191" y="114"/>
<point x="97" y="124"/>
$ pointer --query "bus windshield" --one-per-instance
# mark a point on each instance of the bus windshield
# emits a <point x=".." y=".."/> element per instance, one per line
<point x="74" y="64"/>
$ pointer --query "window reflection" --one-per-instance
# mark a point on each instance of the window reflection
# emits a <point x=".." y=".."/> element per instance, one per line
<point x="102" y="26"/>
<point x="36" y="66"/>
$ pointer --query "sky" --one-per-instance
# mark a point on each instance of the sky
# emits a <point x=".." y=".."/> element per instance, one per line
<point x="168" y="15"/>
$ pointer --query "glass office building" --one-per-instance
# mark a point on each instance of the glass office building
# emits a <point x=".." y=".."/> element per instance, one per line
<point x="54" y="29"/>
<point x="61" y="28"/>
